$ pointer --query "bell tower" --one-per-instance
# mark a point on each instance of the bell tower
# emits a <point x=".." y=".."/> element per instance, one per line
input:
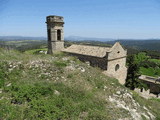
<point x="55" y="33"/>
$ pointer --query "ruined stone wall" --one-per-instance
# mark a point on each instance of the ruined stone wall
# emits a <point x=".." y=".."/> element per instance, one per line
<point x="154" y="88"/>
<point x="152" y="85"/>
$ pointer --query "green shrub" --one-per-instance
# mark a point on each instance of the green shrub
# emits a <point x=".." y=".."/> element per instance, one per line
<point x="148" y="64"/>
<point x="150" y="71"/>
<point x="43" y="103"/>
<point x="27" y="93"/>
<point x="70" y="76"/>
<point x="60" y="64"/>
<point x="3" y="73"/>
<point x="59" y="54"/>
<point x="54" y="108"/>
<point x="9" y="112"/>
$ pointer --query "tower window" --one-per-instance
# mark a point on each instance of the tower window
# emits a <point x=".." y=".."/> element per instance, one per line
<point x="117" y="67"/>
<point x="49" y="34"/>
<point x="58" y="34"/>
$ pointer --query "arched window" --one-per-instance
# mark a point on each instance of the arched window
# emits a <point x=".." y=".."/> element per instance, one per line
<point x="58" y="34"/>
<point x="117" y="67"/>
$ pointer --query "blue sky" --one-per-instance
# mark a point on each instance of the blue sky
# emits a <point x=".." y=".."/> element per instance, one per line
<point x="87" y="18"/>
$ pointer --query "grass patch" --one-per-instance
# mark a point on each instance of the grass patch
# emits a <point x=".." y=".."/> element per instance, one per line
<point x="35" y="51"/>
<point x="70" y="76"/>
<point x="43" y="103"/>
<point x="155" y="72"/>
<point x="60" y="63"/>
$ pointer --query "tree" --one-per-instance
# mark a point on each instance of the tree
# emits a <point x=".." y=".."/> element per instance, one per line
<point x="141" y="58"/>
<point x="132" y="80"/>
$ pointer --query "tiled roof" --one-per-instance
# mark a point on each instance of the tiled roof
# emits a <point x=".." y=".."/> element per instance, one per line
<point x="88" y="50"/>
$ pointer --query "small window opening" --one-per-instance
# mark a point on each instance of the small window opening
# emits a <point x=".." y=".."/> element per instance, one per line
<point x="49" y="34"/>
<point x="118" y="52"/>
<point x="117" y="67"/>
<point x="58" y="34"/>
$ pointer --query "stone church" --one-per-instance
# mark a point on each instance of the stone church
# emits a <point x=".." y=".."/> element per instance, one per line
<point x="112" y="60"/>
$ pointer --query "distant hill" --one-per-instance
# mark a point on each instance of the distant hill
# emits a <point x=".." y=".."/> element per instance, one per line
<point x="137" y="44"/>
<point x="71" y="38"/>
<point x="13" y="38"/>
<point x="140" y="45"/>
<point x="78" y="38"/>
<point x="153" y="45"/>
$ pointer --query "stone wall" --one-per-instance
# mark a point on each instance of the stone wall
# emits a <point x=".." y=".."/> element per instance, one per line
<point x="117" y="52"/>
<point x="94" y="61"/>
<point x="117" y="63"/>
<point x="151" y="83"/>
<point x="154" y="88"/>
<point x="117" y="69"/>
<point x="57" y="46"/>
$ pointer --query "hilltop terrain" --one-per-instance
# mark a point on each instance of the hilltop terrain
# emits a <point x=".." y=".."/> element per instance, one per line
<point x="39" y="86"/>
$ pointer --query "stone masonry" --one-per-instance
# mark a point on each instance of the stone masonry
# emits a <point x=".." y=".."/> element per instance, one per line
<point x="55" y="33"/>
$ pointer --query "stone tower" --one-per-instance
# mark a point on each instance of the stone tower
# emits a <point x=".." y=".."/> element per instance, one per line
<point x="55" y="33"/>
